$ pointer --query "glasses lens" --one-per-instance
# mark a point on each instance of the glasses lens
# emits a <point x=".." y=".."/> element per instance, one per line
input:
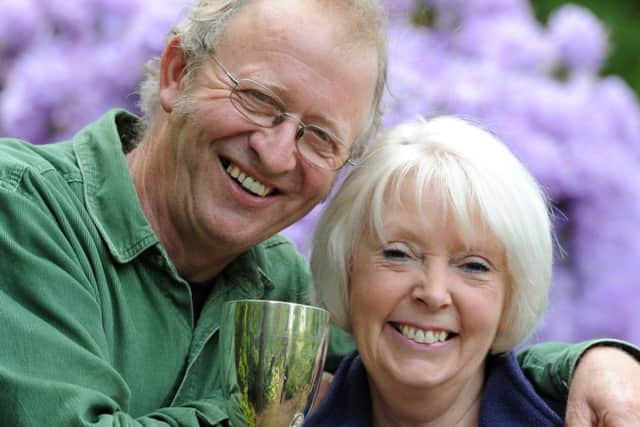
<point x="261" y="106"/>
<point x="322" y="149"/>
<point x="257" y="103"/>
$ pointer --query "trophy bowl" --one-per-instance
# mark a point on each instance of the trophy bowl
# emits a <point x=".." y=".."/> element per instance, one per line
<point x="273" y="354"/>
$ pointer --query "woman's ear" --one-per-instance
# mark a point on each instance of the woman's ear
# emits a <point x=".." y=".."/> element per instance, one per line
<point x="172" y="70"/>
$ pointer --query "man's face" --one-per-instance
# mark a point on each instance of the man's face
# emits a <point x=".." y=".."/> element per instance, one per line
<point x="232" y="183"/>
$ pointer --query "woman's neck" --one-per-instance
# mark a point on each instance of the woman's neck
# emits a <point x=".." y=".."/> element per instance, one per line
<point x="456" y="403"/>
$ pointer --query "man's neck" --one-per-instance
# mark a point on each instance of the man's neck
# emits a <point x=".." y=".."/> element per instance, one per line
<point x="195" y="260"/>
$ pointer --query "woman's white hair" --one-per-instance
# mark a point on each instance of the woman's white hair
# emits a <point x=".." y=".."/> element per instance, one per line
<point x="202" y="30"/>
<point x="477" y="177"/>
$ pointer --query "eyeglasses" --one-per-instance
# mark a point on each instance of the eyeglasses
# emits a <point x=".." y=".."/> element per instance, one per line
<point x="259" y="105"/>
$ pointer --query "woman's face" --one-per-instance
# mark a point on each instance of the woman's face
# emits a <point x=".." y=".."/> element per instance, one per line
<point x="424" y="306"/>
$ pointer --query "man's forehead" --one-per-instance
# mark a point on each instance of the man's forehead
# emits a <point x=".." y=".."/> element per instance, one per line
<point x="261" y="39"/>
<point x="275" y="19"/>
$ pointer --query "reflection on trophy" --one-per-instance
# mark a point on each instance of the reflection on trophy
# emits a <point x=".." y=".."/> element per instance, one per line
<point x="272" y="360"/>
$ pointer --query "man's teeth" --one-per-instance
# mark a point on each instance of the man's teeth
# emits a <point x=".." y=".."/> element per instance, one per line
<point x="248" y="182"/>
<point x="423" y="336"/>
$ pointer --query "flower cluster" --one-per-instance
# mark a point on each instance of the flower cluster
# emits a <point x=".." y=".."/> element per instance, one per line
<point x="63" y="63"/>
<point x="538" y="88"/>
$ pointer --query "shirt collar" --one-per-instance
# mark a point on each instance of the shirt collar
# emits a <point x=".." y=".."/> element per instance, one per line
<point x="110" y="196"/>
<point x="112" y="201"/>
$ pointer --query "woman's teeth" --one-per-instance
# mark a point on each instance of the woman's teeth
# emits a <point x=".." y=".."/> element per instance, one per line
<point x="422" y="336"/>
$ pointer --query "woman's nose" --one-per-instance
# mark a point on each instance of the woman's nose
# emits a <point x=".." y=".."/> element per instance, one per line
<point x="432" y="288"/>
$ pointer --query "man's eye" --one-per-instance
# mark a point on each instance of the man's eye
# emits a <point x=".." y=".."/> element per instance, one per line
<point x="321" y="134"/>
<point x="322" y="142"/>
<point x="257" y="101"/>
<point x="259" y="97"/>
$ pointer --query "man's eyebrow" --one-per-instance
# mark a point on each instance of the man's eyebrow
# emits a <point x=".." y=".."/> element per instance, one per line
<point x="330" y="124"/>
<point x="274" y="86"/>
<point x="326" y="122"/>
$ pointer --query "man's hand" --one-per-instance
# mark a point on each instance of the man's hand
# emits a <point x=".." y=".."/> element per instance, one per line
<point x="605" y="390"/>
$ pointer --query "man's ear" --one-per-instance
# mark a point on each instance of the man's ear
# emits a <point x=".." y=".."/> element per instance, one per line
<point x="172" y="70"/>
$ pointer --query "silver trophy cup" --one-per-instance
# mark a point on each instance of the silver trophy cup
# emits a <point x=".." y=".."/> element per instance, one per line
<point x="273" y="354"/>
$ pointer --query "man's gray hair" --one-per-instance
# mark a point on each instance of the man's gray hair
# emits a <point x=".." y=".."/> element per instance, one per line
<point x="202" y="30"/>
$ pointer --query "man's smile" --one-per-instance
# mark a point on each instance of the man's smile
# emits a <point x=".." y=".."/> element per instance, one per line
<point x="247" y="182"/>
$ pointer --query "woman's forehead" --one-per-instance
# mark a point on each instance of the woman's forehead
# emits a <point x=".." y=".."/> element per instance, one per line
<point x="426" y="207"/>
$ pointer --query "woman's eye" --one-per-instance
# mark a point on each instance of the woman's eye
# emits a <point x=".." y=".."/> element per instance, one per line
<point x="396" y="253"/>
<point x="476" y="266"/>
<point x="393" y="253"/>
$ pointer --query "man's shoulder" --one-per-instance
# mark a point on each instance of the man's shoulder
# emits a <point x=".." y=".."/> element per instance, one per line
<point x="278" y="242"/>
<point x="279" y="249"/>
<point x="19" y="158"/>
<point x="60" y="161"/>
<point x="280" y="263"/>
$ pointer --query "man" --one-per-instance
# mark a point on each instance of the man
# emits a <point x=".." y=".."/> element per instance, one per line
<point x="120" y="246"/>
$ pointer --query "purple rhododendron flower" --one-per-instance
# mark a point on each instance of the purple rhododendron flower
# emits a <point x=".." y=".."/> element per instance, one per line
<point x="77" y="60"/>
<point x="507" y="41"/>
<point x="19" y="21"/>
<point x="580" y="37"/>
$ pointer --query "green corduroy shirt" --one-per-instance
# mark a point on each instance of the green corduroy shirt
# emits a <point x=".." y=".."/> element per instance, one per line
<point x="96" y="325"/>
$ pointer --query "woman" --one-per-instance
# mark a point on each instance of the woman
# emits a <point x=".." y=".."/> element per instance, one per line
<point x="436" y="255"/>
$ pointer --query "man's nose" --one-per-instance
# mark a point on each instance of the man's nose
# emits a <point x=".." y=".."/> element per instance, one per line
<point x="276" y="146"/>
<point x="432" y="287"/>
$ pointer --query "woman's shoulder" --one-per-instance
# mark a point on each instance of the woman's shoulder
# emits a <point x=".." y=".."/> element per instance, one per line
<point x="347" y="402"/>
<point x="509" y="398"/>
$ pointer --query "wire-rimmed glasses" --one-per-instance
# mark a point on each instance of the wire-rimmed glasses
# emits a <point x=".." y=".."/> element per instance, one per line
<point x="259" y="105"/>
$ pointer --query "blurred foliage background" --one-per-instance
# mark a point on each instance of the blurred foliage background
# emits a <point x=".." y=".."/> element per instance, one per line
<point x="622" y="20"/>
